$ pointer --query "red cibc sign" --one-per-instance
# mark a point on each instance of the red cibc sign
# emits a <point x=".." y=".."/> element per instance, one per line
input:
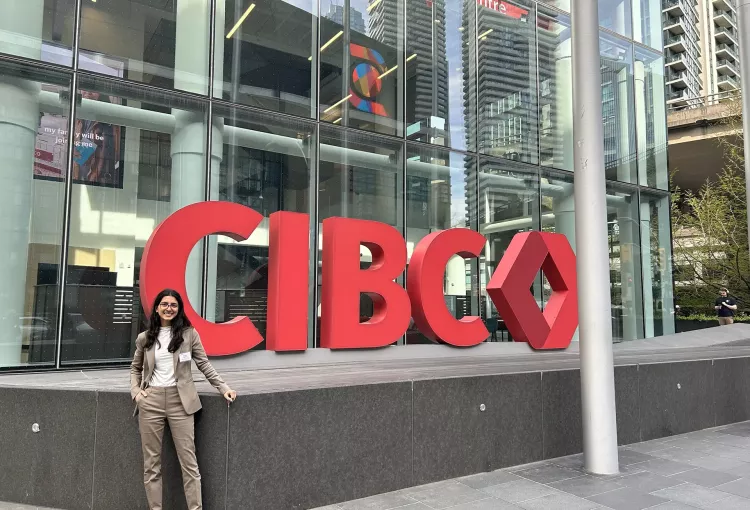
<point x="166" y="255"/>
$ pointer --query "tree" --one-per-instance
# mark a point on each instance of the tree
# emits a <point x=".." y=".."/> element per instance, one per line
<point x="709" y="228"/>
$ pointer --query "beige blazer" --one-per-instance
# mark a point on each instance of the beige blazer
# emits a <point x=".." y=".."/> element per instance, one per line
<point x="142" y="368"/>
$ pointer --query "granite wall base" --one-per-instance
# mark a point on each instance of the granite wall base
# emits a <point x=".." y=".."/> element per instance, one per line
<point x="303" y="449"/>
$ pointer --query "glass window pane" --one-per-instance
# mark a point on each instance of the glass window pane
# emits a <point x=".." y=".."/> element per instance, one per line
<point x="362" y="64"/>
<point x="508" y="203"/>
<point x="555" y="91"/>
<point x="616" y="15"/>
<point x="651" y="119"/>
<point x="264" y="165"/>
<point x="558" y="214"/>
<point x="264" y="54"/>
<point x="441" y="194"/>
<point x="164" y="44"/>
<point x="563" y="5"/>
<point x="506" y="84"/>
<point x="656" y="249"/>
<point x="361" y="176"/>
<point x="33" y="156"/>
<point x="39" y="30"/>
<point x="441" y="65"/>
<point x="623" y="234"/>
<point x="617" y="109"/>
<point x="647" y="26"/>
<point x="141" y="157"/>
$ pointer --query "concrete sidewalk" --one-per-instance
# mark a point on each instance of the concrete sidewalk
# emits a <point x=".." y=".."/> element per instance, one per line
<point x="709" y="469"/>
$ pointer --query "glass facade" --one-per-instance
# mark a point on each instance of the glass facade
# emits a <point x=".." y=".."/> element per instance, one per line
<point x="423" y="115"/>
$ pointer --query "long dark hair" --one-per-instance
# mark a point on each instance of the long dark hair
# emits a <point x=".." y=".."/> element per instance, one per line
<point x="179" y="324"/>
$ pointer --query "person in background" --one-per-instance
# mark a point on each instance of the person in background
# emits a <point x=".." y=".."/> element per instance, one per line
<point x="725" y="307"/>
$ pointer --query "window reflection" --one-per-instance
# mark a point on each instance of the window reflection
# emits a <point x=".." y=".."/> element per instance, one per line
<point x="33" y="156"/>
<point x="164" y="44"/>
<point x="555" y="91"/>
<point x="265" y="166"/>
<point x="507" y="81"/>
<point x="264" y="54"/>
<point x="616" y="15"/>
<point x="362" y="64"/>
<point x="617" y="109"/>
<point x="441" y="194"/>
<point x="656" y="248"/>
<point x="361" y="176"/>
<point x="508" y="203"/>
<point x="623" y="238"/>
<point x="152" y="147"/>
<point x="441" y="53"/>
<point x="38" y="30"/>
<point x="651" y="119"/>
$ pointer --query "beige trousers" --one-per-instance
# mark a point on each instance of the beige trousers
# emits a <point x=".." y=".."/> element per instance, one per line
<point x="163" y="405"/>
<point x="724" y="321"/>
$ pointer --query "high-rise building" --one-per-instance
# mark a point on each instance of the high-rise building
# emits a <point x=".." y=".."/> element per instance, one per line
<point x="356" y="20"/>
<point x="701" y="50"/>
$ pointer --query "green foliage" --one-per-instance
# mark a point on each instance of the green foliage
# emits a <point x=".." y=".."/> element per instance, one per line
<point x="710" y="237"/>
<point x="710" y="318"/>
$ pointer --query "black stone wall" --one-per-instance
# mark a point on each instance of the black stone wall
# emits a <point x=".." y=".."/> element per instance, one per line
<point x="303" y="449"/>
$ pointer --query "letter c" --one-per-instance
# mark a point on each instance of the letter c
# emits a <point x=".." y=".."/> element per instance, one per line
<point x="424" y="282"/>
<point x="165" y="259"/>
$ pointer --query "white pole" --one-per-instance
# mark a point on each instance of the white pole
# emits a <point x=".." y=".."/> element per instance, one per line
<point x="594" y="302"/>
<point x="743" y="9"/>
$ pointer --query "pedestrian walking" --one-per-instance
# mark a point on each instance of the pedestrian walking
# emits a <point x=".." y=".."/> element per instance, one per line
<point x="725" y="307"/>
<point x="161" y="384"/>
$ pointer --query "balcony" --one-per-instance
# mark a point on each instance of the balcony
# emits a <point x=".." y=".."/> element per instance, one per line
<point x="726" y="67"/>
<point x="728" y="83"/>
<point x="674" y="7"/>
<point x="725" y="5"/>
<point x="676" y="62"/>
<point x="677" y="80"/>
<point x="726" y="52"/>
<point x="676" y="43"/>
<point x="725" y="18"/>
<point x="726" y="35"/>
<point x="673" y="25"/>
<point x="678" y="98"/>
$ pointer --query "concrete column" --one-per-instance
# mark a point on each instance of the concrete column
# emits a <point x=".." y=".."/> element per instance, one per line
<point x="564" y="106"/>
<point x="19" y="119"/>
<point x="189" y="137"/>
<point x="595" y="308"/>
<point x="647" y="268"/>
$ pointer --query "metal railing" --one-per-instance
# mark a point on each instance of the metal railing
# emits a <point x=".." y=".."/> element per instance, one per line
<point x="730" y="48"/>
<point x="702" y="101"/>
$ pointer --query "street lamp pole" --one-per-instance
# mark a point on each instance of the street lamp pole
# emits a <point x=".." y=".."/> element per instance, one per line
<point x="743" y="10"/>
<point x="594" y="301"/>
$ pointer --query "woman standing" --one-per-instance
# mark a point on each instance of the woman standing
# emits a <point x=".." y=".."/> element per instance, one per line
<point x="161" y="384"/>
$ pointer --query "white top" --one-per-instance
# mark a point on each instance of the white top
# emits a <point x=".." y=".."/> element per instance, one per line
<point x="164" y="361"/>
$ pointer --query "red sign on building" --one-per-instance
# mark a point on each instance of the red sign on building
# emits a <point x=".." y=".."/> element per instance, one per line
<point x="167" y="251"/>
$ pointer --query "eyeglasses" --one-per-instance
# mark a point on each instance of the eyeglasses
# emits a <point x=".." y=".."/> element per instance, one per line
<point x="173" y="306"/>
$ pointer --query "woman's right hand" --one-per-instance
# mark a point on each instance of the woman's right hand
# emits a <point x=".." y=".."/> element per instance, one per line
<point x="140" y="396"/>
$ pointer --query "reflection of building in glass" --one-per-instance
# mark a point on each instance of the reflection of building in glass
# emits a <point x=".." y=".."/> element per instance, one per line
<point x="427" y="116"/>
<point x="356" y="20"/>
<point x="506" y="81"/>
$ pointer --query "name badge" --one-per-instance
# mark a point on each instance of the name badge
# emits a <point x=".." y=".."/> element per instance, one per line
<point x="185" y="356"/>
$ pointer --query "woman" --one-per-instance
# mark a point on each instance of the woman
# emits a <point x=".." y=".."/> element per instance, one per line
<point x="161" y="384"/>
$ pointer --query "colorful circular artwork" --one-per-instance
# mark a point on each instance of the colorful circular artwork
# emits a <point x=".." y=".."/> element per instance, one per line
<point x="365" y="80"/>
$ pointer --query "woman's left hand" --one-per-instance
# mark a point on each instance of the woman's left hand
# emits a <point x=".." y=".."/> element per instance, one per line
<point x="230" y="395"/>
